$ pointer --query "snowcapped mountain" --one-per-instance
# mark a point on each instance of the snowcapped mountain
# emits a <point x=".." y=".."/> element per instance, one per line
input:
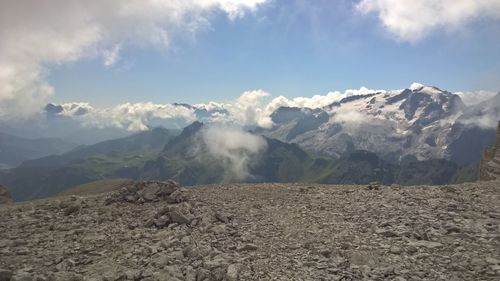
<point x="421" y="121"/>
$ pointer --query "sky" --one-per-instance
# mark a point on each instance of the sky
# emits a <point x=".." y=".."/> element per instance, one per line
<point x="112" y="52"/>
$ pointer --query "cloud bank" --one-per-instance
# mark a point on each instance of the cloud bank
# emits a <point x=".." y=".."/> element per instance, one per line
<point x="473" y="98"/>
<point x="38" y="34"/>
<point x="252" y="108"/>
<point x="412" y="20"/>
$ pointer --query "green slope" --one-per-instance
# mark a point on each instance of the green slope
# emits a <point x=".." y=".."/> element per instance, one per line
<point x="120" y="158"/>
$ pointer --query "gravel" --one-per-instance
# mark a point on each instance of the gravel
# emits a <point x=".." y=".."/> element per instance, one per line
<point x="257" y="232"/>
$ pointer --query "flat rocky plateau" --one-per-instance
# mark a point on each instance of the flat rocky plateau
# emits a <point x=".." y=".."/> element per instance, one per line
<point x="257" y="232"/>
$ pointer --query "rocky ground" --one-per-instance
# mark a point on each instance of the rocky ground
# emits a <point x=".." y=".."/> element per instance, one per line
<point x="154" y="231"/>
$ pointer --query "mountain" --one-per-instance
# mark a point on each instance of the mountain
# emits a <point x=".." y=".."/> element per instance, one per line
<point x="363" y="167"/>
<point x="187" y="159"/>
<point x="421" y="121"/>
<point x="119" y="158"/>
<point x="14" y="150"/>
<point x="195" y="156"/>
<point x="474" y="130"/>
<point x="159" y="154"/>
<point x="50" y="125"/>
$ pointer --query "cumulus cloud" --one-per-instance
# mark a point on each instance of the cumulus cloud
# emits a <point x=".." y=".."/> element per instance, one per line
<point x="252" y="108"/>
<point x="236" y="149"/>
<point x="138" y="116"/>
<point x="411" y="20"/>
<point x="75" y="109"/>
<point x="128" y="116"/>
<point x="317" y="101"/>
<point x="38" y="34"/>
<point x="249" y="109"/>
<point x="473" y="98"/>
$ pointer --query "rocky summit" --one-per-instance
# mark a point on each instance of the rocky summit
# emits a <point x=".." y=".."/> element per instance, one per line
<point x="159" y="231"/>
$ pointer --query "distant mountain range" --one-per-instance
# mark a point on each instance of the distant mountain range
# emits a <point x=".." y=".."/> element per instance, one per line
<point x="14" y="150"/>
<point x="420" y="135"/>
<point x="105" y="160"/>
<point x="162" y="154"/>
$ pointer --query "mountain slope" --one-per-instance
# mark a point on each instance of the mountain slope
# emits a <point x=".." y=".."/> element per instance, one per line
<point x="474" y="130"/>
<point x="14" y="150"/>
<point x="187" y="159"/>
<point x="120" y="158"/>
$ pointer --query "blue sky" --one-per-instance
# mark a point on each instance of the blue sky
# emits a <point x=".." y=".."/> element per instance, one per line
<point x="285" y="47"/>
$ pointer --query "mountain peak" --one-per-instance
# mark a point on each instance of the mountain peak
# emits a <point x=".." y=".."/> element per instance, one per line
<point x="429" y="90"/>
<point x="416" y="86"/>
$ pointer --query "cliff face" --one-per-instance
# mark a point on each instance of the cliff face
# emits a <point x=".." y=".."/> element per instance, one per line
<point x="489" y="168"/>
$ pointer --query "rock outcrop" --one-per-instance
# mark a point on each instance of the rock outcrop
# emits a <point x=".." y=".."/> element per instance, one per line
<point x="148" y="191"/>
<point x="489" y="167"/>
<point x="4" y="195"/>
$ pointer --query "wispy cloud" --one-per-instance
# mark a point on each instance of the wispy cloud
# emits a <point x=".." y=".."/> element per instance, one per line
<point x="236" y="149"/>
<point x="475" y="97"/>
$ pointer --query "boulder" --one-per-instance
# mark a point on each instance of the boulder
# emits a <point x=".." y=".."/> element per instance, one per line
<point x="148" y="191"/>
<point x="5" y="195"/>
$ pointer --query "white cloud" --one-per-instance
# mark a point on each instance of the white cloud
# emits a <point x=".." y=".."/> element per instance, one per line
<point x="248" y="110"/>
<point x="486" y="121"/>
<point x="252" y="108"/>
<point x="112" y="55"/>
<point x="235" y="148"/>
<point x="129" y="116"/>
<point x="351" y="117"/>
<point x="411" y="20"/>
<point x="317" y="101"/>
<point x="473" y="98"/>
<point x="37" y="34"/>
<point x="76" y="108"/>
<point x="137" y="116"/>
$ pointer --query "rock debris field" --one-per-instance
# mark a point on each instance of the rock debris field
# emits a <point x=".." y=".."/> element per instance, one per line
<point x="159" y="231"/>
